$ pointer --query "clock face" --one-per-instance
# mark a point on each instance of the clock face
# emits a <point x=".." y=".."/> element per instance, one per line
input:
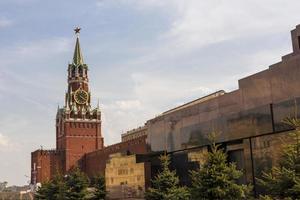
<point x="81" y="96"/>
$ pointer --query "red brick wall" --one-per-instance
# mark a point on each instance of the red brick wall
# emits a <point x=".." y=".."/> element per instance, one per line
<point x="94" y="163"/>
<point x="78" y="138"/>
<point x="45" y="164"/>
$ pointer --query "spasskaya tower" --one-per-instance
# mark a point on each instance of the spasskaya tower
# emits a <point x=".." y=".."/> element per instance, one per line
<point x="78" y="125"/>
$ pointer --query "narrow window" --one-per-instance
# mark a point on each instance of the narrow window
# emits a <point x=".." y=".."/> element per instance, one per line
<point x="73" y="72"/>
<point x="80" y="71"/>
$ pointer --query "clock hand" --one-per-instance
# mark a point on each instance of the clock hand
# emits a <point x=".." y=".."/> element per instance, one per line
<point x="82" y="98"/>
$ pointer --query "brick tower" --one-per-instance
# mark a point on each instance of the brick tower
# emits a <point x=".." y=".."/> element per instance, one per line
<point x="78" y="125"/>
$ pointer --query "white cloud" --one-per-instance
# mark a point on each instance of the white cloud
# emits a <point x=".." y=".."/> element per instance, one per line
<point x="151" y="94"/>
<point x="3" y="141"/>
<point x="26" y="85"/>
<point x="138" y="4"/>
<point x="199" y="23"/>
<point x="149" y="3"/>
<point x="34" y="51"/>
<point x="43" y="48"/>
<point x="201" y="89"/>
<point x="129" y="104"/>
<point x="156" y="90"/>
<point x="6" y="144"/>
<point x="99" y="3"/>
<point x="124" y="105"/>
<point x="120" y="116"/>
<point x="5" y="22"/>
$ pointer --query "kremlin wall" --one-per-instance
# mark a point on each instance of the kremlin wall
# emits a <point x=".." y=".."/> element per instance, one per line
<point x="248" y="123"/>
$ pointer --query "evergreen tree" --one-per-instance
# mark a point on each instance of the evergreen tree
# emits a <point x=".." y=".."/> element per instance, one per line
<point x="54" y="189"/>
<point x="216" y="179"/>
<point x="59" y="186"/>
<point x="44" y="192"/>
<point x="77" y="183"/>
<point x="165" y="186"/>
<point x="71" y="187"/>
<point x="98" y="184"/>
<point x="265" y="197"/>
<point x="283" y="181"/>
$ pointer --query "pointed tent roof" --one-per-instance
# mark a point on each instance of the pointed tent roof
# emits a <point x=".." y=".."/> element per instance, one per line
<point x="77" y="57"/>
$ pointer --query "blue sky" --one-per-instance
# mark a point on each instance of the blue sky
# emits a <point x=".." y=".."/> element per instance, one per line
<point x="145" y="56"/>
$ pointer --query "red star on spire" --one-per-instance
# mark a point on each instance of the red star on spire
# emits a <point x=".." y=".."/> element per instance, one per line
<point x="77" y="30"/>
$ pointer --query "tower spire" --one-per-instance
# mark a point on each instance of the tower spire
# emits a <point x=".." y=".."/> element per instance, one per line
<point x="77" y="57"/>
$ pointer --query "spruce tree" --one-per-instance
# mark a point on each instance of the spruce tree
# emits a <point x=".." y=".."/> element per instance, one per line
<point x="44" y="192"/>
<point x="54" y="189"/>
<point x="283" y="181"/>
<point x="166" y="186"/>
<point x="72" y="186"/>
<point x="59" y="187"/>
<point x="98" y="184"/>
<point x="77" y="183"/>
<point x="217" y="179"/>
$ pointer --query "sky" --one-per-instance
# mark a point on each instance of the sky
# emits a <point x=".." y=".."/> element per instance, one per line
<point x="144" y="57"/>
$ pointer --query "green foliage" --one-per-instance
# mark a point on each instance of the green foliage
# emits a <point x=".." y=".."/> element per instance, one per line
<point x="216" y="179"/>
<point x="283" y="181"/>
<point x="55" y="189"/>
<point x="59" y="187"/>
<point x="77" y="183"/>
<point x="73" y="186"/>
<point x="166" y="186"/>
<point x="44" y="192"/>
<point x="98" y="184"/>
<point x="265" y="197"/>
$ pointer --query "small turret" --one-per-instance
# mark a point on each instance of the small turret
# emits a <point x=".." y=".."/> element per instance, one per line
<point x="98" y="105"/>
<point x="67" y="106"/>
<point x="74" y="109"/>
